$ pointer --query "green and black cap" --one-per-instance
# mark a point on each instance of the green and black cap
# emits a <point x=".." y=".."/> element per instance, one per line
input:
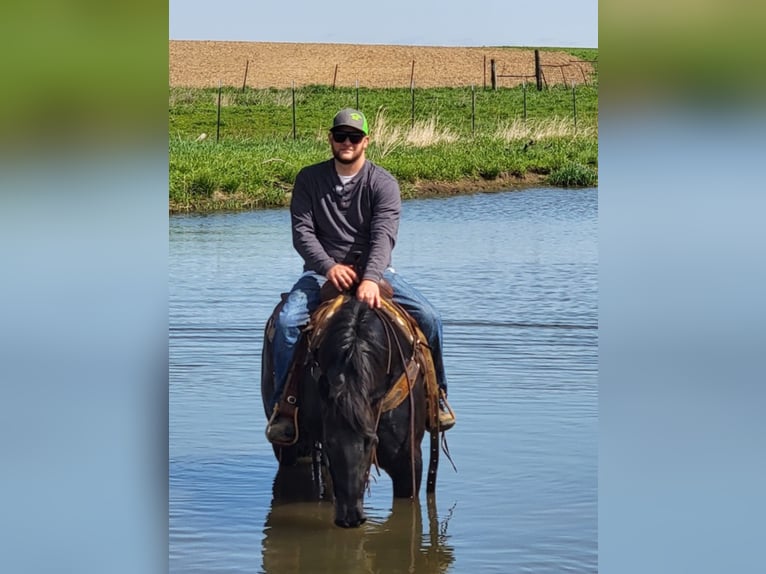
<point x="350" y="118"/>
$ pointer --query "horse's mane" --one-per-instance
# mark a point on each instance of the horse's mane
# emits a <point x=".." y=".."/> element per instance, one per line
<point x="354" y="353"/>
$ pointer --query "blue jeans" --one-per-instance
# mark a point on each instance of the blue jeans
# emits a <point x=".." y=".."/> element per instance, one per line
<point x="304" y="299"/>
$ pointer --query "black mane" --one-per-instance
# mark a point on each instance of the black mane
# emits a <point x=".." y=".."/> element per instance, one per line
<point x="353" y="357"/>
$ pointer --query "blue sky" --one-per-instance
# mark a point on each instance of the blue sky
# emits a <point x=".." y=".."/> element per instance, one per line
<point x="557" y="23"/>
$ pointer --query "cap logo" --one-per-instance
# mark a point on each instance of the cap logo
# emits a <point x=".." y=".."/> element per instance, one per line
<point x="357" y="117"/>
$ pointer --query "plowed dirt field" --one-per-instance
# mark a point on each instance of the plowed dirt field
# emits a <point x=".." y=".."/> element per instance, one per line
<point x="277" y="65"/>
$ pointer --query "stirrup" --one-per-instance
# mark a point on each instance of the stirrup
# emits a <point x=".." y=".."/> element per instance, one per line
<point x="446" y="411"/>
<point x="275" y="415"/>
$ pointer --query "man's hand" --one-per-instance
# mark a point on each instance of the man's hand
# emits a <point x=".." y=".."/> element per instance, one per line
<point x="342" y="276"/>
<point x="369" y="292"/>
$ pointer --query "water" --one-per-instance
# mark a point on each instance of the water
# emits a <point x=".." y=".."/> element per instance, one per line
<point x="514" y="275"/>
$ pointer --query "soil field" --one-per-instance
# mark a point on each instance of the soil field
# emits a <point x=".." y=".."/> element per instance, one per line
<point x="203" y="64"/>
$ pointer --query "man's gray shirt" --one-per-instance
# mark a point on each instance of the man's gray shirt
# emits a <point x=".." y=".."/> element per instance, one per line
<point x="356" y="223"/>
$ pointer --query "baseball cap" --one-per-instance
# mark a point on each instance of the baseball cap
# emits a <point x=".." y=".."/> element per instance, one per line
<point x="351" y="118"/>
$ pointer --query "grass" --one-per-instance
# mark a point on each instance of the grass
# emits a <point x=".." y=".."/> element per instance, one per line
<point x="456" y="135"/>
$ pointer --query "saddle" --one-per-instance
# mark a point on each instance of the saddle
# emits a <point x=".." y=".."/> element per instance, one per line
<point x="420" y="362"/>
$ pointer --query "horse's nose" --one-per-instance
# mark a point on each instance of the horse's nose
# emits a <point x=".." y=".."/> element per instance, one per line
<point x="350" y="523"/>
<point x="349" y="516"/>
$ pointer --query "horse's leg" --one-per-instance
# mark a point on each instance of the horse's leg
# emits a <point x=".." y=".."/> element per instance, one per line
<point x="401" y="473"/>
<point x="394" y="456"/>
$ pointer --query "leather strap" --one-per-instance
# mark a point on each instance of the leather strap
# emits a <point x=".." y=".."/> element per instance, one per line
<point x="401" y="388"/>
<point x="289" y="401"/>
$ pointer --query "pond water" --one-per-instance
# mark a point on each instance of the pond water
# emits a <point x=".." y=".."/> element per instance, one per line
<point x="515" y="277"/>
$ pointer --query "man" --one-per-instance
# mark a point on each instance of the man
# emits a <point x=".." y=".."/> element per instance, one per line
<point x="345" y="218"/>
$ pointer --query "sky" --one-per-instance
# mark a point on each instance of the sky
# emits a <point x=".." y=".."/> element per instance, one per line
<point x="540" y="23"/>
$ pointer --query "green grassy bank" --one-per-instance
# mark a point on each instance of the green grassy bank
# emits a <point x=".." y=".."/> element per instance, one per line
<point x="447" y="140"/>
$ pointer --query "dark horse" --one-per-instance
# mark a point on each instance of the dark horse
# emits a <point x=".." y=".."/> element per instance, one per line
<point x="351" y="363"/>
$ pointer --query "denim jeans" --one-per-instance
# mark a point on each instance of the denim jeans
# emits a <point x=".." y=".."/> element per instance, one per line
<point x="304" y="298"/>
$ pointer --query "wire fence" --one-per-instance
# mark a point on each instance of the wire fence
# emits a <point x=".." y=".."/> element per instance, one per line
<point x="302" y="112"/>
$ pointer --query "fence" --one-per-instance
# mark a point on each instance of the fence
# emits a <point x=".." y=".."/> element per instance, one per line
<point x="575" y="67"/>
<point x="302" y="112"/>
<point x="571" y="73"/>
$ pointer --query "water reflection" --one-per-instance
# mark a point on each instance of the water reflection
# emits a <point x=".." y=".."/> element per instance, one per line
<point x="300" y="537"/>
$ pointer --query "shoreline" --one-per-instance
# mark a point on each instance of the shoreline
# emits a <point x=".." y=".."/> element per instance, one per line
<point x="221" y="202"/>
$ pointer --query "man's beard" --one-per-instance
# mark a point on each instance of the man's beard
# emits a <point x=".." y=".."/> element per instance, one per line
<point x="346" y="160"/>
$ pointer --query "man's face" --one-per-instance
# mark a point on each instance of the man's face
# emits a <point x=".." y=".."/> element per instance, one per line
<point x="346" y="150"/>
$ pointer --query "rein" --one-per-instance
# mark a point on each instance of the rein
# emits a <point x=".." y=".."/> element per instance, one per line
<point x="390" y="334"/>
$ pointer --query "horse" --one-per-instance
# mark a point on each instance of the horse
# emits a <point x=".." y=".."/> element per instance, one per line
<point x="366" y="390"/>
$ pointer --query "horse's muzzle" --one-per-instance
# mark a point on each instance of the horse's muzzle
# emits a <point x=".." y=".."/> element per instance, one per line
<point x="349" y="516"/>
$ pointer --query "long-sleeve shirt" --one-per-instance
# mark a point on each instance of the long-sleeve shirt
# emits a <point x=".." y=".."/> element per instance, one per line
<point x="356" y="223"/>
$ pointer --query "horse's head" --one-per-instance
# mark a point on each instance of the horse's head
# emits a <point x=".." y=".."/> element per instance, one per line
<point x="352" y="357"/>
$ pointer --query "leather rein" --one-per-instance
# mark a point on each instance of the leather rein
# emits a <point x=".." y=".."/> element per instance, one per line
<point x="391" y="335"/>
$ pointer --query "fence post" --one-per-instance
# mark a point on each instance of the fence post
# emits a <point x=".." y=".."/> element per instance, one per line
<point x="294" y="130"/>
<point x="538" y="71"/>
<point x="334" y="76"/>
<point x="473" y="111"/>
<point x="244" y="82"/>
<point x="412" y="76"/>
<point x="484" y="70"/>
<point x="357" y="94"/>
<point x="218" y="117"/>
<point x="493" y="75"/>
<point x="412" y="92"/>
<point x="524" y="91"/>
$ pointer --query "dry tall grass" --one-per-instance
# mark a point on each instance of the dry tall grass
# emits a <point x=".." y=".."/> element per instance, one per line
<point x="389" y="137"/>
<point x="424" y="133"/>
<point x="539" y="129"/>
